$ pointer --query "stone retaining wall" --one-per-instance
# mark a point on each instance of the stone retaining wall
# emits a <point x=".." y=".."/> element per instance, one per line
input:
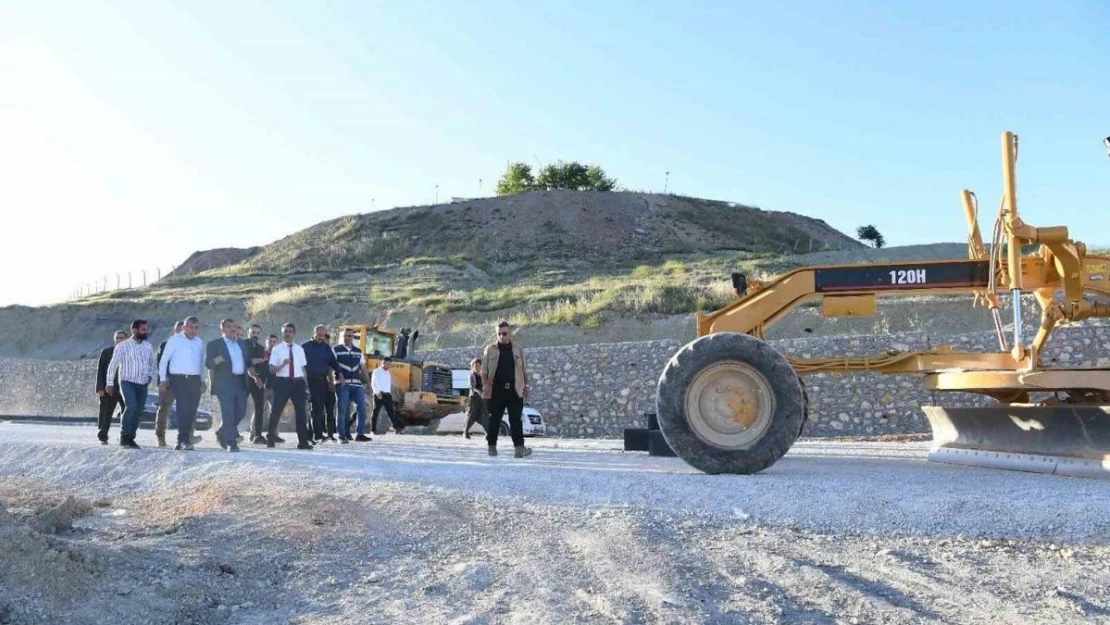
<point x="598" y="390"/>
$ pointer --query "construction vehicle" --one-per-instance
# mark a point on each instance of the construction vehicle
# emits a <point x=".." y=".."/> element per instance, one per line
<point x="422" y="391"/>
<point x="728" y="402"/>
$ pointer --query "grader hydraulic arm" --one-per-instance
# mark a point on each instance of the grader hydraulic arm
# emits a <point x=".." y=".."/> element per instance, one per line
<point x="725" y="404"/>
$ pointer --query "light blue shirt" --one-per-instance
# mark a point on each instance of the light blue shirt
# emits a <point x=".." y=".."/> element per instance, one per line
<point x="238" y="365"/>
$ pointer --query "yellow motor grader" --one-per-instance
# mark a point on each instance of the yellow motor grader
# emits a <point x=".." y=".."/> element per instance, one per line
<point x="728" y="402"/>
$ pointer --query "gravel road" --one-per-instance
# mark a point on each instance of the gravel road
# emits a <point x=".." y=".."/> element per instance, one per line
<point x="427" y="529"/>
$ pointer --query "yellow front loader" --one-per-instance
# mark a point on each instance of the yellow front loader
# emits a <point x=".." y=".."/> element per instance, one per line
<point x="422" y="390"/>
<point x="730" y="403"/>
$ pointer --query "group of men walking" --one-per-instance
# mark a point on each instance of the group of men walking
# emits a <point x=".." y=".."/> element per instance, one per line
<point x="271" y="374"/>
<point x="277" y="373"/>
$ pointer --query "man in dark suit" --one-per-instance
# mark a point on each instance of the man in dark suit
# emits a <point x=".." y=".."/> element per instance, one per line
<point x="108" y="401"/>
<point x="227" y="359"/>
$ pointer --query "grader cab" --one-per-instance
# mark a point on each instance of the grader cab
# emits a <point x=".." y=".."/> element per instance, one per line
<point x="422" y="391"/>
<point x="730" y="403"/>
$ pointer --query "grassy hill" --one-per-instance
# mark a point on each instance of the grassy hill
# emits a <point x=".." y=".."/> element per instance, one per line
<point x="567" y="266"/>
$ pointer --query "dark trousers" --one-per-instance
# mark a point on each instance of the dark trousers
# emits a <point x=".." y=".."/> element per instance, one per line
<point x="258" y="398"/>
<point x="329" y="407"/>
<point x="286" y="390"/>
<point x="233" y="405"/>
<point x="502" y="400"/>
<point x="476" y="412"/>
<point x="108" y="404"/>
<point x="318" y="390"/>
<point x="386" y="402"/>
<point x="186" y="392"/>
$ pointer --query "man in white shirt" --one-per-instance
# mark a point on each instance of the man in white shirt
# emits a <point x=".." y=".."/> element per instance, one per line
<point x="180" y="370"/>
<point x="381" y="383"/>
<point x="287" y="363"/>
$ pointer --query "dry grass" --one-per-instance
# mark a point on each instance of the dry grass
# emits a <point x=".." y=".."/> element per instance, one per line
<point x="289" y="295"/>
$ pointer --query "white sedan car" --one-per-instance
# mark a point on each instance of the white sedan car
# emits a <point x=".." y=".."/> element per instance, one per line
<point x="455" y="422"/>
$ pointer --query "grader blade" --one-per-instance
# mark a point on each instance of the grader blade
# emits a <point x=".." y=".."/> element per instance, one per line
<point x="1066" y="439"/>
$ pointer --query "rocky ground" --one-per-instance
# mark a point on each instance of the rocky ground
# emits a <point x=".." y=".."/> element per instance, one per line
<point x="429" y="530"/>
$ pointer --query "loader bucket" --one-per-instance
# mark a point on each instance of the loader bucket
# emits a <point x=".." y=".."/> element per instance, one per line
<point x="1070" y="439"/>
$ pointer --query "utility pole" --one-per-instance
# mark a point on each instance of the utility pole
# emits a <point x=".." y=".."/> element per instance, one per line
<point x="117" y="281"/>
<point x="144" y="277"/>
<point x="129" y="279"/>
<point x="437" y="194"/>
<point x="666" y="181"/>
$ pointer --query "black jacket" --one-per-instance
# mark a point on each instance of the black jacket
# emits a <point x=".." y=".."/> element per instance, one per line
<point x="221" y="373"/>
<point x="102" y="369"/>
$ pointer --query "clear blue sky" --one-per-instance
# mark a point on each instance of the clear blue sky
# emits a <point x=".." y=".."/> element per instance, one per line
<point x="201" y="124"/>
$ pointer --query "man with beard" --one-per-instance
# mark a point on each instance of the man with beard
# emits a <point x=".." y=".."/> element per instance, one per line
<point x="505" y="387"/>
<point x="180" y="370"/>
<point x="108" y="402"/>
<point x="258" y="373"/>
<point x="134" y="361"/>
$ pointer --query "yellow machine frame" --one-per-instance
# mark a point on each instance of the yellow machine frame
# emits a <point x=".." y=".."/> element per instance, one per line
<point x="1060" y="266"/>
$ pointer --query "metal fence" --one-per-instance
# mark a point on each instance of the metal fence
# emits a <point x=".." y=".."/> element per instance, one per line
<point x="123" y="280"/>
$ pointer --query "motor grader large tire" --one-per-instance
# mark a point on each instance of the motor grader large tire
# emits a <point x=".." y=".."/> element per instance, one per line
<point x="730" y="403"/>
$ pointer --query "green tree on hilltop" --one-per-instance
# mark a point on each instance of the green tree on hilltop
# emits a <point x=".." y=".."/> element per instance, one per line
<point x="572" y="176"/>
<point x="517" y="178"/>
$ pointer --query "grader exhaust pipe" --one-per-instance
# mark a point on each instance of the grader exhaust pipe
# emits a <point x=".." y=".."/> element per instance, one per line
<point x="728" y="402"/>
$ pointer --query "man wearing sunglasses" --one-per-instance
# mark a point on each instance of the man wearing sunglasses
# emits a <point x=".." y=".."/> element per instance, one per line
<point x="505" y="387"/>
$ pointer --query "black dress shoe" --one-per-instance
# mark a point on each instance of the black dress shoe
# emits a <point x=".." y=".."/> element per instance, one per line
<point x="179" y="447"/>
<point x="331" y="438"/>
<point x="362" y="438"/>
<point x="129" y="443"/>
<point x="258" y="440"/>
<point x="233" y="447"/>
<point x="305" y="445"/>
<point x="344" y="440"/>
<point x="278" y="439"/>
<point x="271" y="444"/>
<point x="103" y="441"/>
<point x="189" y="447"/>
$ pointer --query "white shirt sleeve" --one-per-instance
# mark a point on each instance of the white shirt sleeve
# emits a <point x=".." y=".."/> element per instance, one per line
<point x="276" y="354"/>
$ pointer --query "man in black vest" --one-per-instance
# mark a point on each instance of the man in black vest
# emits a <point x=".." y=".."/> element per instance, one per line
<point x="258" y="374"/>
<point x="108" y="402"/>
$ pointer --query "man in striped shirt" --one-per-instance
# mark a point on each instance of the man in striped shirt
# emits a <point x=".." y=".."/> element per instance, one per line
<point x="134" y="361"/>
<point x="352" y="374"/>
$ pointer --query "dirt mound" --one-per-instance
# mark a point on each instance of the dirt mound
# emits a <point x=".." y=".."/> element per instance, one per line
<point x="551" y="225"/>
<point x="213" y="259"/>
<point x="42" y="575"/>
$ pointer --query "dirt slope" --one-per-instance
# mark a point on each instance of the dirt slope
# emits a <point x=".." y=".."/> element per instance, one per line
<point x="586" y="226"/>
